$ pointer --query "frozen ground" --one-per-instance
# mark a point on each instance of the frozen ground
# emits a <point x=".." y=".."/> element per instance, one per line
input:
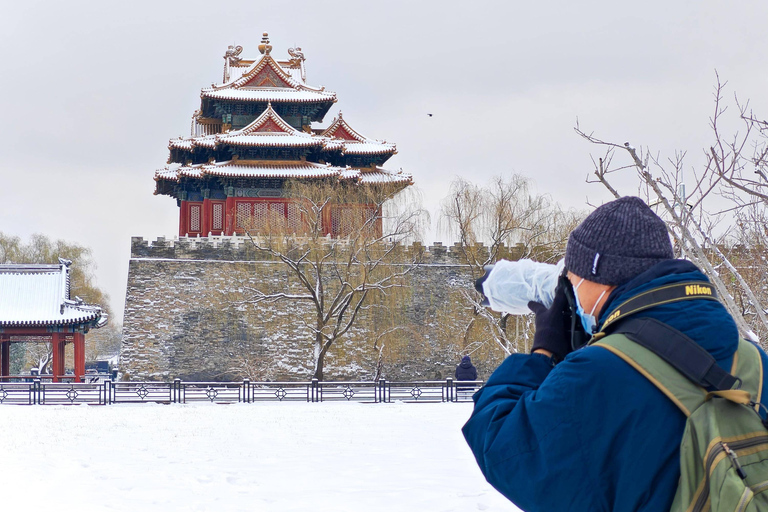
<point x="271" y="457"/>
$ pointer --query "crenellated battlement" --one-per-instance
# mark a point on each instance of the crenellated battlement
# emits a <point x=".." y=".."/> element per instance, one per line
<point x="240" y="248"/>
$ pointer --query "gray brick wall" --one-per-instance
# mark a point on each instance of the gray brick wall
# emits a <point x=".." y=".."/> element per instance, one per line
<point x="184" y="318"/>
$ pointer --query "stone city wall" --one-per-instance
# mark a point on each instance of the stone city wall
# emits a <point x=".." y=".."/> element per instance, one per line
<point x="187" y="317"/>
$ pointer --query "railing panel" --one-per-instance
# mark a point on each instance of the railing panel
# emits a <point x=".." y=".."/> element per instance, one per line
<point x="140" y="392"/>
<point x="349" y="391"/>
<point x="280" y="391"/>
<point x="20" y="393"/>
<point x="218" y="392"/>
<point x="417" y="391"/>
<point x="62" y="393"/>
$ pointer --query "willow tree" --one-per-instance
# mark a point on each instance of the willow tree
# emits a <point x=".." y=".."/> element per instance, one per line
<point x="504" y="219"/>
<point x="344" y="257"/>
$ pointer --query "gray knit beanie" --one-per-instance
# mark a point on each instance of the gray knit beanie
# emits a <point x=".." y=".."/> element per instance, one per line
<point x="617" y="241"/>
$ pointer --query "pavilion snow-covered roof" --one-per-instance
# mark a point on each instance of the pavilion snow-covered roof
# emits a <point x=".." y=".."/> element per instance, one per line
<point x="39" y="295"/>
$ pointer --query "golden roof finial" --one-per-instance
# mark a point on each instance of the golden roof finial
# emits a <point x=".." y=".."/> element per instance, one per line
<point x="265" y="47"/>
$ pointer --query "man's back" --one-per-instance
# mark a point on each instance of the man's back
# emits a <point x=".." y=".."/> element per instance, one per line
<point x="466" y="370"/>
<point x="592" y="433"/>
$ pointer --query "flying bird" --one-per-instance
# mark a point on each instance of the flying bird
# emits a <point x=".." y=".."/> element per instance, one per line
<point x="430" y="115"/>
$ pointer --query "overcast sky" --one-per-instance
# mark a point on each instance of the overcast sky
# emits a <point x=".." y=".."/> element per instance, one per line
<point x="91" y="92"/>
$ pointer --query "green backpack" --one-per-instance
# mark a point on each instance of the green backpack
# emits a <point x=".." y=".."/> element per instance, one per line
<point x="724" y="449"/>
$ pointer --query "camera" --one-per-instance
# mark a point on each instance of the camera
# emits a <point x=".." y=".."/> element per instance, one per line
<point x="508" y="287"/>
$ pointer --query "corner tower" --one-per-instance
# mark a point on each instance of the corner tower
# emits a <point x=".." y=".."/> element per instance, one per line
<point x="252" y="135"/>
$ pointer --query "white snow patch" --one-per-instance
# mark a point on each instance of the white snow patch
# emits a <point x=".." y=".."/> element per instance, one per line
<point x="247" y="457"/>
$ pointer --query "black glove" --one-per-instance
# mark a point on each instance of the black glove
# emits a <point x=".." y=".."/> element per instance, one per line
<point x="479" y="284"/>
<point x="553" y="326"/>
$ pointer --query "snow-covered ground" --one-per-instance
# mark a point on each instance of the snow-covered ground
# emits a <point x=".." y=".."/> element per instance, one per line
<point x="251" y="457"/>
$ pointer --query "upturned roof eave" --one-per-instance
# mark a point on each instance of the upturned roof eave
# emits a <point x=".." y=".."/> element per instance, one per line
<point x="322" y="98"/>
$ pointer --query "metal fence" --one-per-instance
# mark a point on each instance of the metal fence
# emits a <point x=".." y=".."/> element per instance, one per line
<point x="41" y="392"/>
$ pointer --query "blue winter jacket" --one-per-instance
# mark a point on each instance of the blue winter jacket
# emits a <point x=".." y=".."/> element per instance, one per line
<point x="592" y="434"/>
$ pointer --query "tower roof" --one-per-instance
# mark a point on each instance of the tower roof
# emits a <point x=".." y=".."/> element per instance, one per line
<point x="267" y="130"/>
<point x="273" y="108"/>
<point x="378" y="176"/>
<point x="286" y="170"/>
<point x="267" y="80"/>
<point x="354" y="143"/>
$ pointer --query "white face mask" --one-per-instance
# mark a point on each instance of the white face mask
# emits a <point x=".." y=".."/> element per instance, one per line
<point x="587" y="320"/>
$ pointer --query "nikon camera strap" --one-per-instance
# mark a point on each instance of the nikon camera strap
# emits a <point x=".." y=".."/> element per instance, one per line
<point x="687" y="356"/>
<point x="667" y="294"/>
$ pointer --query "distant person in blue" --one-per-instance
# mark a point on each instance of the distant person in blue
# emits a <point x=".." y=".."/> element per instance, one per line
<point x="466" y="370"/>
<point x="581" y="430"/>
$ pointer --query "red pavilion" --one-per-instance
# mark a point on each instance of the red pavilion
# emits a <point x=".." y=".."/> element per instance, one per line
<point x="36" y="307"/>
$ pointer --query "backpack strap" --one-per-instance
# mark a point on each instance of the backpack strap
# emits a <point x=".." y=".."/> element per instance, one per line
<point x="662" y="370"/>
<point x="749" y="367"/>
<point x="679" y="350"/>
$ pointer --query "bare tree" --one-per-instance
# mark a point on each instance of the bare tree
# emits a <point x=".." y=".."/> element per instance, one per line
<point x="501" y="214"/>
<point x="339" y="276"/>
<point x="719" y="203"/>
<point x="104" y="343"/>
<point x="246" y="362"/>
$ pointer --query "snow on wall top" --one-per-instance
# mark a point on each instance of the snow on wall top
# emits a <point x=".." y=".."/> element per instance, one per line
<point x="240" y="248"/>
<point x="36" y="295"/>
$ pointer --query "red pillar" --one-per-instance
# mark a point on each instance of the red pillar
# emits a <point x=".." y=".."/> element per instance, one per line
<point x="79" y="342"/>
<point x="327" y="222"/>
<point x="229" y="209"/>
<point x="5" y="358"/>
<point x="183" y="223"/>
<point x="205" y="222"/>
<point x="57" y="365"/>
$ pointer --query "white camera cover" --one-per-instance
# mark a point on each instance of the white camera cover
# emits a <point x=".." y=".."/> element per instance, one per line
<point x="512" y="284"/>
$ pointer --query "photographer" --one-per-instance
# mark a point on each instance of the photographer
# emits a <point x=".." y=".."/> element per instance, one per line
<point x="574" y="427"/>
